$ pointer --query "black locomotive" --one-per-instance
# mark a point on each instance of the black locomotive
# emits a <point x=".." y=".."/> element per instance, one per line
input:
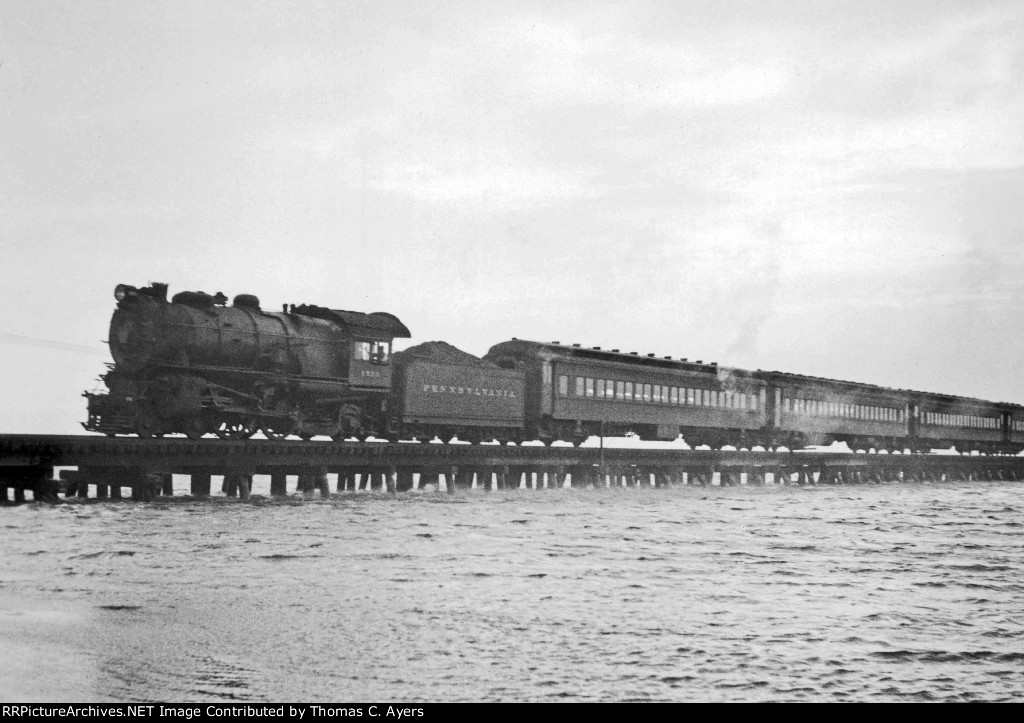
<point x="196" y="365"/>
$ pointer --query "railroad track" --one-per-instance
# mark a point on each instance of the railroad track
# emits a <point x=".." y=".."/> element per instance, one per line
<point x="107" y="466"/>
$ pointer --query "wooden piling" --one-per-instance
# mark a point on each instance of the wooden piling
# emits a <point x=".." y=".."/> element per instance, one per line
<point x="244" y="485"/>
<point x="279" y="484"/>
<point x="452" y="481"/>
<point x="200" y="483"/>
<point x="230" y="484"/>
<point x="404" y="480"/>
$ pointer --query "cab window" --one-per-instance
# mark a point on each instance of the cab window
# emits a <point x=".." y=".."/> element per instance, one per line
<point x="380" y="352"/>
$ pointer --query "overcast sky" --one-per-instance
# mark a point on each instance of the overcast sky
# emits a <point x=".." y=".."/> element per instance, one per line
<point x="831" y="188"/>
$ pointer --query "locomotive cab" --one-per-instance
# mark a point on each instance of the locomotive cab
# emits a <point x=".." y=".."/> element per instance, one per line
<point x="370" y="364"/>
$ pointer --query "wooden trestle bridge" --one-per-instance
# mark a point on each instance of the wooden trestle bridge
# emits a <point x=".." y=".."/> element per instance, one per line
<point x="108" y="466"/>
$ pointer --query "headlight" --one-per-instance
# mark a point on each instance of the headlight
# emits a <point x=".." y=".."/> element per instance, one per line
<point x="123" y="290"/>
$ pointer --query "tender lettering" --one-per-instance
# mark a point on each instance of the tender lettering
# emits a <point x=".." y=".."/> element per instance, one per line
<point x="468" y="391"/>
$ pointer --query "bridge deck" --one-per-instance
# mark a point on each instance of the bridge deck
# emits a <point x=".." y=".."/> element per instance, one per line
<point x="27" y="463"/>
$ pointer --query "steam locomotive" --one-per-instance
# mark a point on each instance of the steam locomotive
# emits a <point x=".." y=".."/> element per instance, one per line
<point x="196" y="365"/>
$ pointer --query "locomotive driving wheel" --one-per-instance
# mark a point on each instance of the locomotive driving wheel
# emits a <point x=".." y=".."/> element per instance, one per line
<point x="277" y="428"/>
<point x="237" y="428"/>
<point x="195" y="428"/>
<point x="146" y="424"/>
<point x="348" y="423"/>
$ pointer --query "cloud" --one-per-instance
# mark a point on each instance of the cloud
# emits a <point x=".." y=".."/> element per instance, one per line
<point x="495" y="184"/>
<point x="484" y="171"/>
<point x="623" y="69"/>
<point x="967" y="57"/>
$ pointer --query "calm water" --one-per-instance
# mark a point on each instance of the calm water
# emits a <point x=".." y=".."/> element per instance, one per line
<point x="896" y="592"/>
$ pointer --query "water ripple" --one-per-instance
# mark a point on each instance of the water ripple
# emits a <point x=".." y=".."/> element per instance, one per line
<point x="883" y="592"/>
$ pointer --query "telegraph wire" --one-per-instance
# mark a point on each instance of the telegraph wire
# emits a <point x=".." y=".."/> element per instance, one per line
<point x="9" y="338"/>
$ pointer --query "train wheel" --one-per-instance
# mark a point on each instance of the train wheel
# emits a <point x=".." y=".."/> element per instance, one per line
<point x="195" y="428"/>
<point x="236" y="429"/>
<point x="277" y="430"/>
<point x="146" y="425"/>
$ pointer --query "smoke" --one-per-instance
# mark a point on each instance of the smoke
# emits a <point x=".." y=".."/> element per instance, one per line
<point x="760" y="300"/>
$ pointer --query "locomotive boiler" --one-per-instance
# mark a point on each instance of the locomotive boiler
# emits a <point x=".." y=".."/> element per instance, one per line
<point x="196" y="364"/>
